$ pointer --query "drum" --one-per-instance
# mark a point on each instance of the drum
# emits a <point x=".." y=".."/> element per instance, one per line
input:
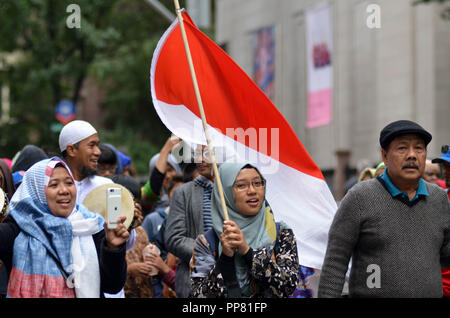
<point x="3" y="205"/>
<point x="95" y="201"/>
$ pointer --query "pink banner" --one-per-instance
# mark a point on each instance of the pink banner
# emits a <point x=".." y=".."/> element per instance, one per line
<point x="319" y="108"/>
<point x="319" y="39"/>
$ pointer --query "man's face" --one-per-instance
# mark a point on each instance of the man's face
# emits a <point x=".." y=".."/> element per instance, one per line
<point x="203" y="161"/>
<point x="447" y="173"/>
<point x="170" y="173"/>
<point x="405" y="158"/>
<point x="87" y="154"/>
<point x="106" y="169"/>
<point x="432" y="172"/>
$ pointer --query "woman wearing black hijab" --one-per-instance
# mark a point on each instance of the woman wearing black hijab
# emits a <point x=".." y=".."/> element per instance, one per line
<point x="6" y="180"/>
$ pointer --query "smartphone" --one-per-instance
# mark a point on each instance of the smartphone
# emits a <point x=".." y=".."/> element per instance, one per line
<point x="113" y="206"/>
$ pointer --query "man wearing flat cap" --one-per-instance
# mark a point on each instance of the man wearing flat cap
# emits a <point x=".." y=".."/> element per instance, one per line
<point x="395" y="228"/>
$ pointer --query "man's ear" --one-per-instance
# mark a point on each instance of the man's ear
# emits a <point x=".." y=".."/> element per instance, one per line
<point x="71" y="151"/>
<point x="384" y="156"/>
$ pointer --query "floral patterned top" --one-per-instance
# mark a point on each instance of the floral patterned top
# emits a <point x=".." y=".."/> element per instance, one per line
<point x="138" y="287"/>
<point x="274" y="273"/>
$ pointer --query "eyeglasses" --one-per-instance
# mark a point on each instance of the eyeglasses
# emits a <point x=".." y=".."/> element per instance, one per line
<point x="242" y="186"/>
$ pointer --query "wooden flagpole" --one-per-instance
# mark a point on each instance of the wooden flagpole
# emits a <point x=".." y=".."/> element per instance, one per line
<point x="200" y="106"/>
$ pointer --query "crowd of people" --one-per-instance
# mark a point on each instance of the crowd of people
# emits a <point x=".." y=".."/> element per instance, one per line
<point x="394" y="218"/>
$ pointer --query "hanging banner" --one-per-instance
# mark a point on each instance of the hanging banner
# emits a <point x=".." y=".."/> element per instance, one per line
<point x="264" y="60"/>
<point x="319" y="43"/>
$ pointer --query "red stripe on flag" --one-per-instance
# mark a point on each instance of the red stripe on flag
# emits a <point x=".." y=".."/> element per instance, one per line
<point x="231" y="98"/>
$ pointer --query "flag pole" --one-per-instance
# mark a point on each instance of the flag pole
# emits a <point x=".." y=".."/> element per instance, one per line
<point x="200" y="106"/>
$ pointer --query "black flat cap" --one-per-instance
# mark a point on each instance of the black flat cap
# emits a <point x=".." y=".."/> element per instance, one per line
<point x="402" y="127"/>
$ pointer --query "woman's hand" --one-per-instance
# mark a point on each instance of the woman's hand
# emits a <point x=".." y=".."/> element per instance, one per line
<point x="117" y="236"/>
<point x="138" y="213"/>
<point x="139" y="269"/>
<point x="233" y="239"/>
<point x="158" y="262"/>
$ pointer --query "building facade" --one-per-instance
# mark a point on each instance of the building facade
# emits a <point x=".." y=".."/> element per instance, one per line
<point x="399" y="69"/>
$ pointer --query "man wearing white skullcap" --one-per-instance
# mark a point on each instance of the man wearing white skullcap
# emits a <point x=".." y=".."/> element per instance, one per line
<point x="78" y="142"/>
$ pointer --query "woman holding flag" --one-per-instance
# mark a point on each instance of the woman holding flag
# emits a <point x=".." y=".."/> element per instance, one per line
<point x="248" y="255"/>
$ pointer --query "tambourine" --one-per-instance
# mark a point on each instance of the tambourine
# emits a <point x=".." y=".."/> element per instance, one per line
<point x="3" y="204"/>
<point x="95" y="201"/>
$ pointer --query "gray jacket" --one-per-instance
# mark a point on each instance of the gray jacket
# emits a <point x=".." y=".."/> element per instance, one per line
<point x="184" y="224"/>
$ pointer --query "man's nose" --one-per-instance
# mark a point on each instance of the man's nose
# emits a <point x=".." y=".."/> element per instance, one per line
<point x="412" y="153"/>
<point x="97" y="151"/>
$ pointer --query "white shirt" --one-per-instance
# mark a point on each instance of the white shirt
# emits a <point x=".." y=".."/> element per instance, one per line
<point x="84" y="187"/>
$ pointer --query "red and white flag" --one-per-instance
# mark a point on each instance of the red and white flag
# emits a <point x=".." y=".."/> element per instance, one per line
<point x="242" y="120"/>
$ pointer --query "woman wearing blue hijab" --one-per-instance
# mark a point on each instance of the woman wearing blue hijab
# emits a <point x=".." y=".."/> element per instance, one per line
<point x="56" y="247"/>
<point x="248" y="255"/>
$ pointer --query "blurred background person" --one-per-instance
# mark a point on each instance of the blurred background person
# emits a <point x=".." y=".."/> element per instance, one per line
<point x="367" y="174"/>
<point x="23" y="160"/>
<point x="360" y="166"/>
<point x="155" y="226"/>
<point x="190" y="216"/>
<point x="138" y="284"/>
<point x="162" y="167"/>
<point x="379" y="169"/>
<point x="444" y="160"/>
<point x="432" y="172"/>
<point x="8" y="187"/>
<point x="107" y="162"/>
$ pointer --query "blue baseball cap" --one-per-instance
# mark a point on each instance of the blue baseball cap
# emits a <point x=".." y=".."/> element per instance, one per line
<point x="444" y="158"/>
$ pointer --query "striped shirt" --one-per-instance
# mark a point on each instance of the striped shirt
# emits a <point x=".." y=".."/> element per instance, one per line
<point x="207" y="186"/>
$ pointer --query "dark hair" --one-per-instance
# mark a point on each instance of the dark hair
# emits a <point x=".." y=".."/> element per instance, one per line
<point x="28" y="156"/>
<point x="108" y="155"/>
<point x="64" y="152"/>
<point x="130" y="183"/>
<point x="59" y="164"/>
<point x="176" y="179"/>
<point x="249" y="166"/>
<point x="188" y="171"/>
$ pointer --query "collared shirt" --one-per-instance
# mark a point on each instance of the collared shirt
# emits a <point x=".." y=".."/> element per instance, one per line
<point x="395" y="192"/>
